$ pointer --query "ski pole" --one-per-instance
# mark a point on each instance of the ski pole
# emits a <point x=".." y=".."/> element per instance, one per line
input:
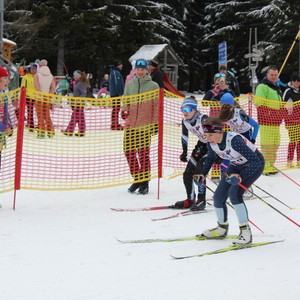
<point x="292" y="208"/>
<point x="233" y="208"/>
<point x="264" y="201"/>
<point x="286" y="175"/>
<point x="270" y="205"/>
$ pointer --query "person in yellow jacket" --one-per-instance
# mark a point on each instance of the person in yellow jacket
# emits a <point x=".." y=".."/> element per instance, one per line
<point x="28" y="83"/>
<point x="270" y="115"/>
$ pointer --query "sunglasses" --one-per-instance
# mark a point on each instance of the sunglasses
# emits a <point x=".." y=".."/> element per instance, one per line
<point x="186" y="109"/>
<point x="219" y="75"/>
<point x="141" y="63"/>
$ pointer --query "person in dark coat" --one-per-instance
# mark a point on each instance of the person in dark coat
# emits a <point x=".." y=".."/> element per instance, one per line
<point x="231" y="80"/>
<point x="156" y="73"/>
<point x="116" y="88"/>
<point x="292" y="118"/>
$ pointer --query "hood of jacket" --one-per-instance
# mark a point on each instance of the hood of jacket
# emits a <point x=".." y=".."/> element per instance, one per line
<point x="295" y="90"/>
<point x="44" y="70"/>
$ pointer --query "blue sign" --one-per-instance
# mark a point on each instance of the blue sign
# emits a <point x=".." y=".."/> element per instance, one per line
<point x="223" y="53"/>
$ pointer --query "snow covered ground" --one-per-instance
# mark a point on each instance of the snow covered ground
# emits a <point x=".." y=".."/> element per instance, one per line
<point x="62" y="246"/>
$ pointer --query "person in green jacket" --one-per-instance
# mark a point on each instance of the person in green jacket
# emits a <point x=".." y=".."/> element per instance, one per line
<point x="269" y="114"/>
<point x="140" y="112"/>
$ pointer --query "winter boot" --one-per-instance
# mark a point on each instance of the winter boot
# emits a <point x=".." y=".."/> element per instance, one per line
<point x="217" y="232"/>
<point x="245" y="236"/>
<point x="41" y="136"/>
<point x="200" y="203"/>
<point x="143" y="188"/>
<point x="184" y="204"/>
<point x="67" y="133"/>
<point x="80" y="134"/>
<point x="133" y="187"/>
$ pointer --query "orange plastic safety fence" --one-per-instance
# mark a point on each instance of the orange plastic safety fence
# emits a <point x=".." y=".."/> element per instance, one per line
<point x="68" y="142"/>
<point x="8" y="136"/>
<point x="279" y="134"/>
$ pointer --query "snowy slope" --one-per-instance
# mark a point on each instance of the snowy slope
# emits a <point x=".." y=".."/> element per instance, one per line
<point x="62" y="246"/>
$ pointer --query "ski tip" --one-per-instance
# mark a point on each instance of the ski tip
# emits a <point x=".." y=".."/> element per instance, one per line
<point x="177" y="257"/>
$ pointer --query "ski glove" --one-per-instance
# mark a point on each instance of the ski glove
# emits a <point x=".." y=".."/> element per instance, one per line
<point x="234" y="179"/>
<point x="183" y="156"/>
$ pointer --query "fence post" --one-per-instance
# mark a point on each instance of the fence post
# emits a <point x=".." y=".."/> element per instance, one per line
<point x="250" y="103"/>
<point x="19" y="144"/>
<point x="160" y="136"/>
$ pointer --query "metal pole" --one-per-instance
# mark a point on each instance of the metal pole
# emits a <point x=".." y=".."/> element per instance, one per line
<point x="249" y="59"/>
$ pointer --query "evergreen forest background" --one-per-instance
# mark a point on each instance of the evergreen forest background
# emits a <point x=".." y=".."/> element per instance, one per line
<point x="90" y="34"/>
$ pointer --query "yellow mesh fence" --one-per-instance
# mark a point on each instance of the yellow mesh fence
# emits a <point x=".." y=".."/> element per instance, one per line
<point x="8" y="137"/>
<point x="68" y="142"/>
<point x="72" y="145"/>
<point x="279" y="133"/>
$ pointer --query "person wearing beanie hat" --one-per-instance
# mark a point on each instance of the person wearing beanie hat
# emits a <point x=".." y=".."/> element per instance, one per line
<point x="192" y="122"/>
<point x="154" y="63"/>
<point x="141" y="64"/>
<point x="190" y="103"/>
<point x="292" y="95"/>
<point x="140" y="113"/>
<point x="103" y="92"/>
<point x="215" y="94"/>
<point x="227" y="98"/>
<point x="231" y="80"/>
<point x="43" y="62"/>
<point x="245" y="167"/>
<point x="237" y="119"/>
<point x="118" y="63"/>
<point x="116" y="89"/>
<point x="3" y="73"/>
<point x="213" y="98"/>
<point x="156" y="73"/>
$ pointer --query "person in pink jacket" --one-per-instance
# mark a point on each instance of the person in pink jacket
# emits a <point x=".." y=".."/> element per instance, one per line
<point x="44" y="82"/>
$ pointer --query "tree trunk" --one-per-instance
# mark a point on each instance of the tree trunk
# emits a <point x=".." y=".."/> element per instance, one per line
<point x="61" y="55"/>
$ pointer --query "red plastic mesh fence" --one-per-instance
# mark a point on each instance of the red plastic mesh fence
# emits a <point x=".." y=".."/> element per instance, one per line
<point x="8" y="137"/>
<point x="76" y="148"/>
<point x="54" y="157"/>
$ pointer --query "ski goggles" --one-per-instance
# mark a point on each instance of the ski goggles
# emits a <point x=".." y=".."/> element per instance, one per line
<point x="141" y="63"/>
<point x="186" y="109"/>
<point x="218" y="75"/>
<point x="211" y="128"/>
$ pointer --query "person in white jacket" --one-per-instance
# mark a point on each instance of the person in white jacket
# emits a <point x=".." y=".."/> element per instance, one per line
<point x="44" y="82"/>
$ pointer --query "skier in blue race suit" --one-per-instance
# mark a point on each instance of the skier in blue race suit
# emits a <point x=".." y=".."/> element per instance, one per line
<point x="245" y="167"/>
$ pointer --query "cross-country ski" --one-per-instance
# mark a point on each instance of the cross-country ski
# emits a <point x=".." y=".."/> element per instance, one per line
<point x="228" y="249"/>
<point x="170" y="240"/>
